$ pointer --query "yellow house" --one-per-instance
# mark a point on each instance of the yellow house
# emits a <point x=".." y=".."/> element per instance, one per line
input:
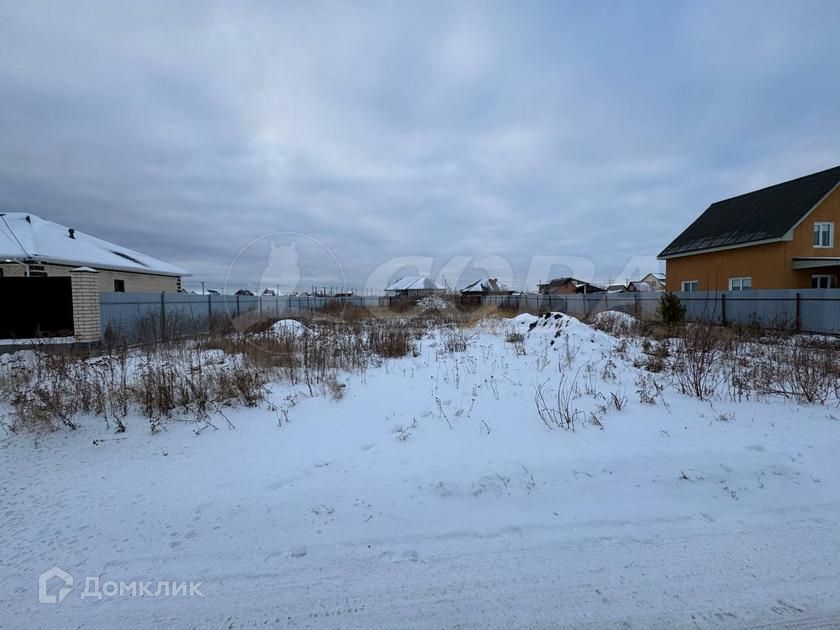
<point x="780" y="237"/>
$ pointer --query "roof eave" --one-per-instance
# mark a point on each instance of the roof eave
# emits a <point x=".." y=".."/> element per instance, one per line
<point x="708" y="250"/>
<point x="815" y="206"/>
<point x="814" y="262"/>
<point x="81" y="263"/>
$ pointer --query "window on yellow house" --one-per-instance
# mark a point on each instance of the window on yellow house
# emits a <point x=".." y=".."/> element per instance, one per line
<point x="740" y="284"/>
<point x="823" y="235"/>
<point x="821" y="281"/>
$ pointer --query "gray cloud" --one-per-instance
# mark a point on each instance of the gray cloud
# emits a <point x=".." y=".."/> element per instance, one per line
<point x="383" y="130"/>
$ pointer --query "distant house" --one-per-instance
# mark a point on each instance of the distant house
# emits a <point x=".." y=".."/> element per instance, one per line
<point x="416" y="286"/>
<point x="34" y="247"/>
<point x="651" y="282"/>
<point x="567" y="286"/>
<point x="656" y="280"/>
<point x="486" y="286"/>
<point x="640" y="286"/>
<point x="780" y="237"/>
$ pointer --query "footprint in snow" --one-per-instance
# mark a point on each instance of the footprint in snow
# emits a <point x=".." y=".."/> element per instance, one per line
<point x="779" y="470"/>
<point x="406" y="556"/>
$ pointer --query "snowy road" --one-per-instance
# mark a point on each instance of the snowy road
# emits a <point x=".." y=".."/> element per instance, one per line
<point x="586" y="577"/>
<point x="679" y="573"/>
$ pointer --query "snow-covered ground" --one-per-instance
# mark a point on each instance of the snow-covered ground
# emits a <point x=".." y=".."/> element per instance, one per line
<point x="433" y="495"/>
<point x="38" y="341"/>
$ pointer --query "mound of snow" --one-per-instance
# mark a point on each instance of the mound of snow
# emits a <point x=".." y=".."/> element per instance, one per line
<point x="552" y="326"/>
<point x="433" y="303"/>
<point x="553" y="323"/>
<point x="291" y="326"/>
<point x="617" y="317"/>
<point x="523" y="320"/>
<point x="617" y="323"/>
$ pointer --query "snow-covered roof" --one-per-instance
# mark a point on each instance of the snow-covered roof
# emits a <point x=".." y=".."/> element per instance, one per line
<point x="640" y="286"/>
<point x="485" y="285"/>
<point x="413" y="283"/>
<point x="27" y="236"/>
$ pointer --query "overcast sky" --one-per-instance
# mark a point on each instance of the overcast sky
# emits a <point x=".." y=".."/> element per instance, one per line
<point x="436" y="130"/>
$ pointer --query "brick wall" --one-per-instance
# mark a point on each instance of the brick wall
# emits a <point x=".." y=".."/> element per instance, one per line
<point x="134" y="282"/>
<point x="86" y="326"/>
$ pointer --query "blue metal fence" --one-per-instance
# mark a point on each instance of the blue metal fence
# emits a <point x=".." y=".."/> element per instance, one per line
<point x="152" y="316"/>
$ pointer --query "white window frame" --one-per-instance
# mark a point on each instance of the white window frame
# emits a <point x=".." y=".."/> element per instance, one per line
<point x="821" y="227"/>
<point x="687" y="286"/>
<point x="739" y="283"/>
<point x="820" y="276"/>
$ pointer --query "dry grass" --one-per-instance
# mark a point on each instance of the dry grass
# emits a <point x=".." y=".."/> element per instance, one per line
<point x="613" y="323"/>
<point x="696" y="367"/>
<point x="198" y="376"/>
<point x="48" y="391"/>
<point x="195" y="378"/>
<point x="709" y="361"/>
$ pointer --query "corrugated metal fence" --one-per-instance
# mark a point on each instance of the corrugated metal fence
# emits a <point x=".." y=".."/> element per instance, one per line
<point x="147" y="317"/>
<point x="151" y="316"/>
<point x="807" y="310"/>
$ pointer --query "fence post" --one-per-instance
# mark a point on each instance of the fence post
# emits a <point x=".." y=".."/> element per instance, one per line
<point x="723" y="308"/>
<point x="163" y="315"/>
<point x="798" y="321"/>
<point x="237" y="305"/>
<point x="209" y="311"/>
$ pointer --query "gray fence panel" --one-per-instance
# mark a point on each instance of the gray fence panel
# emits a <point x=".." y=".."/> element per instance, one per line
<point x="820" y="310"/>
<point x="184" y="314"/>
<point x="150" y="316"/>
<point x="705" y="306"/>
<point x="130" y="314"/>
<point x="771" y="308"/>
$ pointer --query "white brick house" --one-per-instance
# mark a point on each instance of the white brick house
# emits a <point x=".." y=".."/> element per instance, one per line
<point x="30" y="245"/>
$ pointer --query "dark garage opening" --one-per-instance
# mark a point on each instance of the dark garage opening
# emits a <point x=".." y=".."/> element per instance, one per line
<point x="35" y="307"/>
